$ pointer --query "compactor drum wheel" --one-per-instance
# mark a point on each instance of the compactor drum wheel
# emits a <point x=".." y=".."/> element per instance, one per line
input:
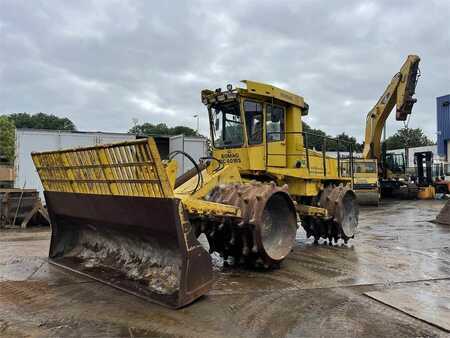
<point x="266" y="233"/>
<point x="369" y="198"/>
<point x="342" y="220"/>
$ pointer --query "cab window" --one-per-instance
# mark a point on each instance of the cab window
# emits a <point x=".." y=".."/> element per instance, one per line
<point x="364" y="168"/>
<point x="227" y="125"/>
<point x="254" y="121"/>
<point x="275" y="123"/>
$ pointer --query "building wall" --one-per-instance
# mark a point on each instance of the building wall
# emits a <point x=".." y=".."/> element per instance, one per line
<point x="411" y="151"/>
<point x="29" y="140"/>
<point x="443" y="125"/>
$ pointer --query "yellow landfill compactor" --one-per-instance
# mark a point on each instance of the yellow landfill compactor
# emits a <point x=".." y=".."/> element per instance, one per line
<point x="121" y="216"/>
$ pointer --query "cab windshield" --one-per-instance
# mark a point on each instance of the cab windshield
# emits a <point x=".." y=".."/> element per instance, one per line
<point x="395" y="162"/>
<point x="226" y="125"/>
<point x="364" y="167"/>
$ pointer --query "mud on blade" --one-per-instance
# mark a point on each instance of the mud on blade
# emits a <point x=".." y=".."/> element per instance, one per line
<point x="114" y="219"/>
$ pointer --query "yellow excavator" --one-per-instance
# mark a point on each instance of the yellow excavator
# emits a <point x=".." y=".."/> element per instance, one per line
<point x="378" y="173"/>
<point x="120" y="215"/>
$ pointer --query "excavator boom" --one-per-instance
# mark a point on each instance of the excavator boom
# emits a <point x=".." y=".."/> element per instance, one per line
<point x="399" y="93"/>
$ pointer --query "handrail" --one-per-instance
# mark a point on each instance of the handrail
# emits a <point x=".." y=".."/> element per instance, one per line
<point x="307" y="154"/>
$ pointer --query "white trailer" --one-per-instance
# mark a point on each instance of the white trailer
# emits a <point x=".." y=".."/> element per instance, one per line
<point x="29" y="140"/>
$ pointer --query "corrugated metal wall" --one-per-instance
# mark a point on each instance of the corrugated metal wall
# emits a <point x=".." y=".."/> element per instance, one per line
<point x="443" y="124"/>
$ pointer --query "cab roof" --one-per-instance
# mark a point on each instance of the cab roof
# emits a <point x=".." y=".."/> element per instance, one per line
<point x="264" y="89"/>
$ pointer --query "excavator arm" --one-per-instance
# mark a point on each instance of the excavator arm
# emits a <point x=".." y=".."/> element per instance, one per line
<point x="399" y="93"/>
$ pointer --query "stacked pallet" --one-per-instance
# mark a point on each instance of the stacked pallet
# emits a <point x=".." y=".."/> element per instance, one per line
<point x="6" y="176"/>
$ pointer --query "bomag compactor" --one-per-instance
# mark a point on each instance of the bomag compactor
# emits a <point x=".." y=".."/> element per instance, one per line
<point x="120" y="215"/>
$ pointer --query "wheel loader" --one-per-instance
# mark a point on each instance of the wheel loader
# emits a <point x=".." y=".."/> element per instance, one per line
<point x="121" y="215"/>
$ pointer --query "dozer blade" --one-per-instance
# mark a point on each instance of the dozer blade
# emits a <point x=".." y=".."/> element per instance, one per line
<point x="114" y="219"/>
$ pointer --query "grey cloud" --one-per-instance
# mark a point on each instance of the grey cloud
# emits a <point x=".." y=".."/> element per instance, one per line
<point x="102" y="63"/>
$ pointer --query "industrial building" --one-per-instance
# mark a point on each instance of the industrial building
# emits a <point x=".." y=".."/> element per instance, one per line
<point x="443" y="125"/>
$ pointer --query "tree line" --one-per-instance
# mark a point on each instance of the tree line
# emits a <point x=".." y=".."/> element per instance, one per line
<point x="9" y="122"/>
<point x="404" y="137"/>
<point x="147" y="129"/>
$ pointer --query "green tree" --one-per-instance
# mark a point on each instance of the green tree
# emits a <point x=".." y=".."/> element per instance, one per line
<point x="161" y="129"/>
<point x="407" y="138"/>
<point x="41" y="121"/>
<point x="7" y="139"/>
<point x="314" y="137"/>
<point x="344" y="146"/>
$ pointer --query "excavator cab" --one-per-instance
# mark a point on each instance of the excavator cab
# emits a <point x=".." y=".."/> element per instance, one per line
<point x="394" y="165"/>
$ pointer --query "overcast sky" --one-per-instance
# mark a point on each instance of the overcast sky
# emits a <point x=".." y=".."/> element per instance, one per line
<point x="103" y="63"/>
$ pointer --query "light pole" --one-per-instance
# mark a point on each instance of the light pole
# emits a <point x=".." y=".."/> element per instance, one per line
<point x="198" y="121"/>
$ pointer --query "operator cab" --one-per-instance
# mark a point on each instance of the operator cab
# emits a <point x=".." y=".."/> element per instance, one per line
<point x="395" y="163"/>
<point x="228" y="124"/>
<point x="247" y="124"/>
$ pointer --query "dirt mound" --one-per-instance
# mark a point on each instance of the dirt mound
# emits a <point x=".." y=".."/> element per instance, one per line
<point x="444" y="214"/>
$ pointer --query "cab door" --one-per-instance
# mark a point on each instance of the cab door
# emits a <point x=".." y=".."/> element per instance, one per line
<point x="275" y="135"/>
